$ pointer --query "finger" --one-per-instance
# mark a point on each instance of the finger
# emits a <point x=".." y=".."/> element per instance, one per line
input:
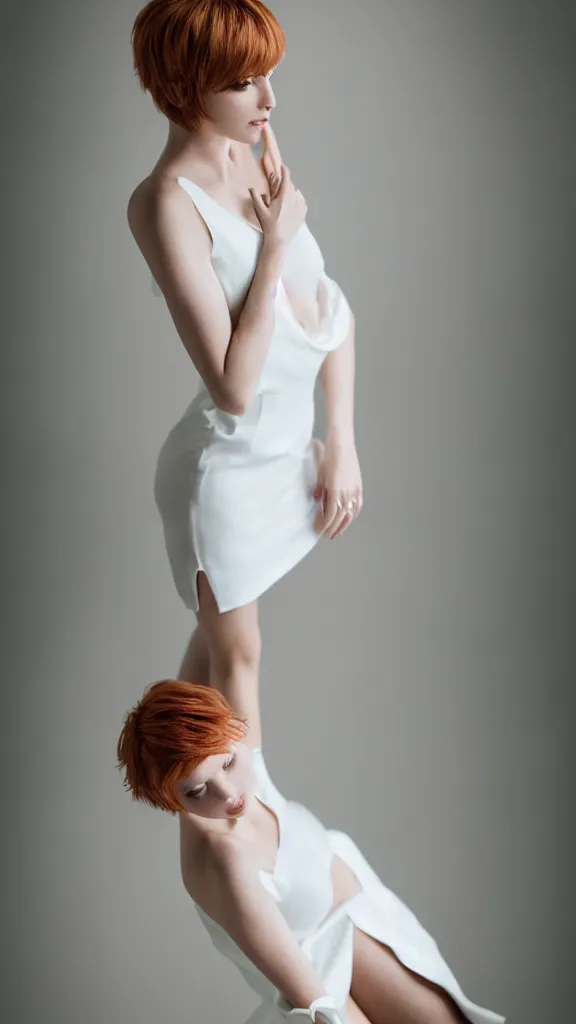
<point x="320" y="514"/>
<point x="332" y="515"/>
<point x="271" y="144"/>
<point x="268" y="163"/>
<point x="358" y="502"/>
<point x="345" y="514"/>
<point x="336" y="525"/>
<point x="351" y="510"/>
<point x="274" y="184"/>
<point x="343" y="526"/>
<point x="257" y="199"/>
<point x="325" y="513"/>
<point x="259" y="207"/>
<point x="285" y="175"/>
<point x="356" y="506"/>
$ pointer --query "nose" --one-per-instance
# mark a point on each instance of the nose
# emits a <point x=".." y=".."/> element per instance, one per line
<point x="269" y="97"/>
<point x="226" y="792"/>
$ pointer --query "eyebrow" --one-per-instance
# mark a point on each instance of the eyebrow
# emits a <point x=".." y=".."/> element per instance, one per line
<point x="198" y="785"/>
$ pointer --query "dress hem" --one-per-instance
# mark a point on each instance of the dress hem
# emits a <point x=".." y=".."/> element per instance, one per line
<point x="252" y="595"/>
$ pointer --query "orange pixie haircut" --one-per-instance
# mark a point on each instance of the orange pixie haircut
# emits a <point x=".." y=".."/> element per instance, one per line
<point x="185" y="48"/>
<point x="168" y="733"/>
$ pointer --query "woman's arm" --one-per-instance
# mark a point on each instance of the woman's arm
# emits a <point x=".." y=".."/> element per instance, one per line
<point x="250" y="341"/>
<point x="173" y="239"/>
<point x="235" y="897"/>
<point x="337" y="374"/>
<point x="339" y="477"/>
<point x="337" y="379"/>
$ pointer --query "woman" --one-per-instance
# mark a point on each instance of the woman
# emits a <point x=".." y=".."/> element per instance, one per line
<point x="295" y="906"/>
<point x="243" y="488"/>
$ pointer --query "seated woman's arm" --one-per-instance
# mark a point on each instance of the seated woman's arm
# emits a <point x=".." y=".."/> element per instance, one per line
<point x="236" y="899"/>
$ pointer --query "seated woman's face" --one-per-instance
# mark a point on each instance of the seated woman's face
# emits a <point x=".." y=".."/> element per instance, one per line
<point x="221" y="786"/>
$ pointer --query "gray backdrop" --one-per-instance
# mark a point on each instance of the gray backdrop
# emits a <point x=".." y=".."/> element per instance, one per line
<point x="417" y="679"/>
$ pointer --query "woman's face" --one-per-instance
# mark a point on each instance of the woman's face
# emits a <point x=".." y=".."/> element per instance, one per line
<point x="221" y="785"/>
<point x="233" y="110"/>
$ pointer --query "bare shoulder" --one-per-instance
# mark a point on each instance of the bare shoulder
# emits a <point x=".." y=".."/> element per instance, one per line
<point x="233" y="897"/>
<point x="143" y="199"/>
<point x="160" y="210"/>
<point x="213" y="867"/>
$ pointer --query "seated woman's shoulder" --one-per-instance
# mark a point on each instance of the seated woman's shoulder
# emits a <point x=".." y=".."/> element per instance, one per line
<point x="208" y="863"/>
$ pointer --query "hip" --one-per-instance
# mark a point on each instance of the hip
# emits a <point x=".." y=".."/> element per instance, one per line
<point x="275" y="423"/>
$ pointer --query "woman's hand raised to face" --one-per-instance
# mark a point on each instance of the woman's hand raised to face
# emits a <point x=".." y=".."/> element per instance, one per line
<point x="271" y="159"/>
<point x="281" y="213"/>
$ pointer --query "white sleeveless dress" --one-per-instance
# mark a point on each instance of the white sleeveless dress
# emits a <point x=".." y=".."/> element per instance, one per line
<point x="301" y="885"/>
<point x="235" y="493"/>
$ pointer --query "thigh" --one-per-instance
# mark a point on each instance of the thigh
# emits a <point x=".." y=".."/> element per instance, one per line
<point x="390" y="993"/>
<point x="354" y="1014"/>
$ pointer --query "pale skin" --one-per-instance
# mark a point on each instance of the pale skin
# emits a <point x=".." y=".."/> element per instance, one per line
<point x="228" y="347"/>
<point x="221" y="856"/>
<point x="220" y="863"/>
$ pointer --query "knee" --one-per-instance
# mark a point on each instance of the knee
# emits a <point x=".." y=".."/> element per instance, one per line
<point x="233" y="638"/>
<point x="237" y="655"/>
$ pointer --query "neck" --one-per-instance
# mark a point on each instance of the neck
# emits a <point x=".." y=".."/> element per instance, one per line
<point x="220" y="826"/>
<point x="204" y="148"/>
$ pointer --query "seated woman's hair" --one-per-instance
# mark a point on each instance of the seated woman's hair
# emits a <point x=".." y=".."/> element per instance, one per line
<point x="168" y="733"/>
<point x="185" y="48"/>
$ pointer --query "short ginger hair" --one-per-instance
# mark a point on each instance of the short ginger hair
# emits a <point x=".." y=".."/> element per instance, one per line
<point x="185" y="48"/>
<point x="168" y="733"/>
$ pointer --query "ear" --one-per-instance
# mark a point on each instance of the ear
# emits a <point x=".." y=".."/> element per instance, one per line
<point x="271" y="159"/>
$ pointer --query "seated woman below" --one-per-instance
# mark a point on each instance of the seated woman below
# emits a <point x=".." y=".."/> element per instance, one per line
<point x="294" y="905"/>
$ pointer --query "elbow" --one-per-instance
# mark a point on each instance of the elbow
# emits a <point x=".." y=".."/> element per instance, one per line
<point x="231" y="403"/>
<point x="236" y="407"/>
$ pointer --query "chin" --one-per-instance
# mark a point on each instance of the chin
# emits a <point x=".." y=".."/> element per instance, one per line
<point x="255" y="130"/>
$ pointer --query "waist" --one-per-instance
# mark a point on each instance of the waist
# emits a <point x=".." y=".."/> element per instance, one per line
<point x="273" y="423"/>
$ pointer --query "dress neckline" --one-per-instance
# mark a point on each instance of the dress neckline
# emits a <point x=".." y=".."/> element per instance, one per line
<point x="235" y="216"/>
<point x="275" y="811"/>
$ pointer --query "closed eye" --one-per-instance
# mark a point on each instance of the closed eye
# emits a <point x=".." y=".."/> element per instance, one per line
<point x="195" y="793"/>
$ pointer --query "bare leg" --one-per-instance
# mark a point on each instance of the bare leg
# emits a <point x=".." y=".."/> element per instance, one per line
<point x="195" y="666"/>
<point x="390" y="993"/>
<point x="234" y="647"/>
<point x="354" y="1014"/>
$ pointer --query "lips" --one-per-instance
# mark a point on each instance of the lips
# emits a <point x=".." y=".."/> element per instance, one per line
<point x="237" y="808"/>
<point x="262" y="120"/>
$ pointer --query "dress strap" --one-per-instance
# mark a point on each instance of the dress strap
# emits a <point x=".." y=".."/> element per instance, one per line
<point x="212" y="214"/>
